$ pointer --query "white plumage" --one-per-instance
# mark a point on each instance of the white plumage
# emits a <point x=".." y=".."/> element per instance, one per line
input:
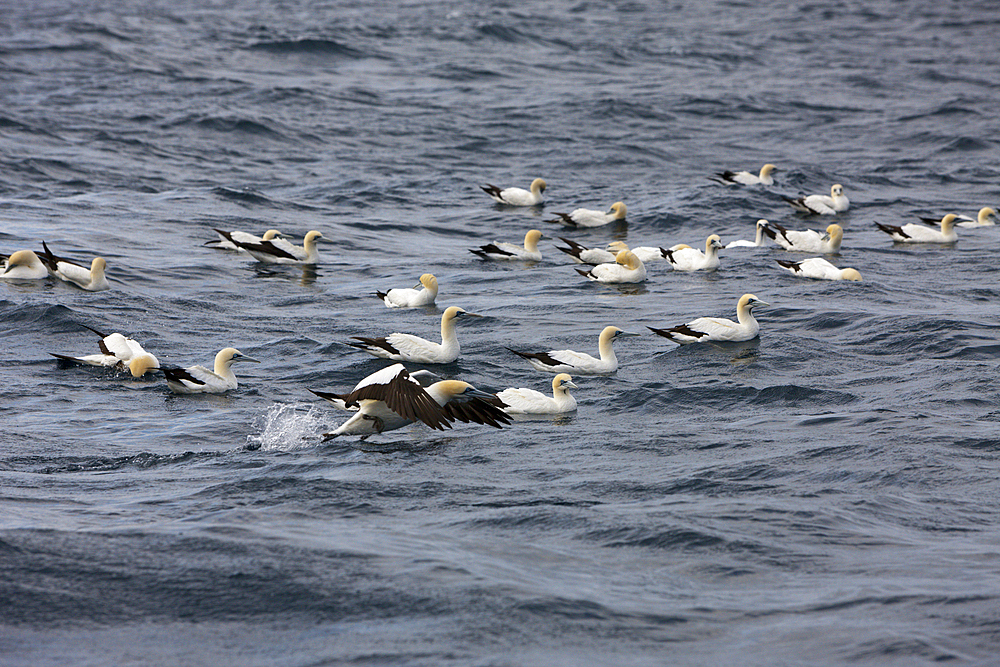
<point x="228" y="240"/>
<point x="517" y="196"/>
<point x="818" y="268"/>
<point x="986" y="218"/>
<point x="584" y="217"/>
<point x="391" y="398"/>
<point x="584" y="255"/>
<point x="504" y="251"/>
<point x="836" y="202"/>
<point x="407" y="347"/>
<point x="90" y="279"/>
<point x="627" y="268"/>
<point x="748" y="178"/>
<point x="706" y="329"/>
<point x="531" y="402"/>
<point x="685" y="258"/>
<point x="23" y="265"/>
<point x="646" y="254"/>
<point x="200" y="380"/>
<point x="809" y="240"/>
<point x="118" y="352"/>
<point x="279" y="251"/>
<point x="422" y="294"/>
<point x="756" y="243"/>
<point x="568" y="361"/>
<point x="914" y="233"/>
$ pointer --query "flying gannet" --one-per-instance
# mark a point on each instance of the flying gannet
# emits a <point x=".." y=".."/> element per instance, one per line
<point x="568" y="361"/>
<point x="391" y="398"/>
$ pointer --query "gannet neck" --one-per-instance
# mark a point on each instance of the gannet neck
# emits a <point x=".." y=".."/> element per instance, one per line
<point x="836" y="233"/>
<point x="618" y="210"/>
<point x="309" y="245"/>
<point x="605" y="347"/>
<point x="429" y="282"/>
<point x="948" y="223"/>
<point x="270" y="234"/>
<point x="985" y="214"/>
<point x="759" y="239"/>
<point x="449" y="336"/>
<point x="712" y="245"/>
<point x="531" y="240"/>
<point x="744" y="310"/>
<point x="537" y="187"/>
<point x="765" y="171"/>
<point x="561" y="384"/>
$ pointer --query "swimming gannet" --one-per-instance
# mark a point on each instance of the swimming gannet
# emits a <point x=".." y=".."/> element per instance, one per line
<point x="836" y="202"/>
<point x="686" y="258"/>
<point x="756" y="243"/>
<point x="646" y="254"/>
<point x="583" y="217"/>
<point x="500" y="250"/>
<point x="568" y="361"/>
<point x="91" y="280"/>
<point x="706" y="329"/>
<point x="517" y="196"/>
<point x="914" y="233"/>
<point x="200" y="380"/>
<point x="421" y="294"/>
<point x="23" y="265"/>
<point x="627" y="268"/>
<point x="531" y="402"/>
<point x="406" y="347"/>
<point x="584" y="255"/>
<point x="747" y="178"/>
<point x="806" y="241"/>
<point x="227" y="240"/>
<point x="118" y="352"/>
<point x="279" y="251"/>
<point x="984" y="219"/>
<point x="819" y="268"/>
<point x="391" y="398"/>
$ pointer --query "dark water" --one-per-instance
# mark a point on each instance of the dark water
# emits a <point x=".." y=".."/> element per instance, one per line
<point x="826" y="494"/>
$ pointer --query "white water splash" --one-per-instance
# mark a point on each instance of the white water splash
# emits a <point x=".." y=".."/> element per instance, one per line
<point x="284" y="427"/>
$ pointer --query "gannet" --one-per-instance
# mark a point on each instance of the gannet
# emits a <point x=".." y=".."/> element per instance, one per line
<point x="806" y="241"/>
<point x="200" y="380"/>
<point x="517" y="196"/>
<point x="819" y="268"/>
<point x="984" y="219"/>
<point x="227" y="240"/>
<point x="627" y="268"/>
<point x="91" y="280"/>
<point x="706" y="329"/>
<point x="280" y="251"/>
<point x="23" y="265"/>
<point x="747" y="178"/>
<point x="422" y="294"/>
<point x="340" y="401"/>
<point x="837" y="202"/>
<point x="583" y="217"/>
<point x="391" y="398"/>
<point x="756" y="243"/>
<point x="118" y="352"/>
<point x="914" y="233"/>
<point x="500" y="250"/>
<point x="686" y="258"/>
<point x="568" y="361"/>
<point x="406" y="347"/>
<point x="584" y="255"/>
<point x="646" y="254"/>
<point x="531" y="402"/>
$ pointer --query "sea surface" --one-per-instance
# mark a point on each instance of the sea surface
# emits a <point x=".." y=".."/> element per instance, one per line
<point x="825" y="494"/>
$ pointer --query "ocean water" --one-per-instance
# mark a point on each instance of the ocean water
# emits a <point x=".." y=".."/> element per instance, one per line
<point x="824" y="494"/>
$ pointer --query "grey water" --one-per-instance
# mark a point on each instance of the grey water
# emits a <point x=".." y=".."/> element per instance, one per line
<point x="824" y="494"/>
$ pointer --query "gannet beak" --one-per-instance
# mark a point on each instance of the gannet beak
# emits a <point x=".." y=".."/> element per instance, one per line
<point x="478" y="393"/>
<point x="627" y="333"/>
<point x="570" y="384"/>
<point x="246" y="358"/>
<point x="468" y="314"/>
<point x="825" y="237"/>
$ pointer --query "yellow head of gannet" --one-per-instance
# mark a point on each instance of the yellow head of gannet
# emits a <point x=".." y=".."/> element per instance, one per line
<point x="142" y="364"/>
<point x="429" y="281"/>
<point x="628" y="259"/>
<point x="538" y="186"/>
<point x="618" y="210"/>
<point x="531" y="240"/>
